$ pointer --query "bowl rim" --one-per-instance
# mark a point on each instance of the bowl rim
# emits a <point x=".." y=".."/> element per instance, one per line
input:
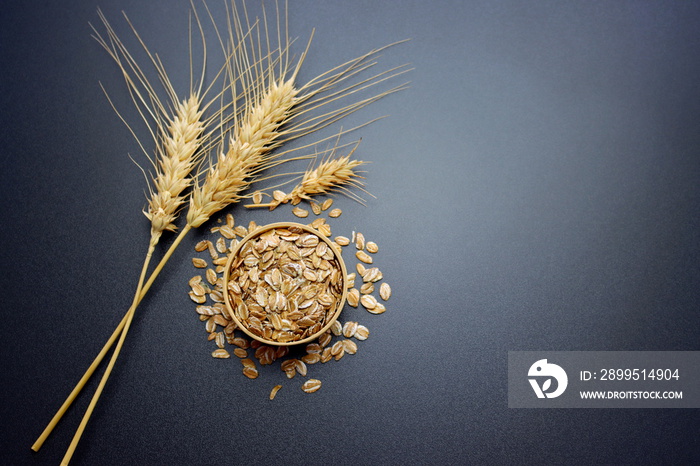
<point x="257" y="232"/>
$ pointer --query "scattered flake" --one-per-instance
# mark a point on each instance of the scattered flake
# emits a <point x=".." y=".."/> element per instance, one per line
<point x="378" y="309"/>
<point x="311" y="358"/>
<point x="326" y="355"/>
<point x="362" y="332"/>
<point x="227" y="232"/>
<point x="353" y="297"/>
<point x="211" y="276"/>
<point x="350" y="346"/>
<point x="199" y="263"/>
<point x="359" y="241"/>
<point x="220" y="353"/>
<point x="364" y="257"/>
<point x="368" y="301"/>
<point x="349" y="329"/>
<point x="385" y="291"/>
<point x="372" y="275"/>
<point x="342" y="240"/>
<point x="367" y="288"/>
<point x="311" y="385"/>
<point x="275" y="389"/>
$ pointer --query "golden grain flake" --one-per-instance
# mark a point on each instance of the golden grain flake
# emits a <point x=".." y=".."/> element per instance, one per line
<point x="349" y="329"/>
<point x="350" y="346"/>
<point x="385" y="291"/>
<point x="199" y="263"/>
<point x="353" y="297"/>
<point x="342" y="240"/>
<point x="211" y="276"/>
<point x="311" y="385"/>
<point x="378" y="309"/>
<point x="274" y="391"/>
<point x="364" y="257"/>
<point x="315" y="207"/>
<point x="368" y="301"/>
<point x="299" y="212"/>
<point x="220" y="353"/>
<point x="227" y="232"/>
<point x="359" y="241"/>
<point x="221" y="245"/>
<point x="362" y="332"/>
<point x="311" y="358"/>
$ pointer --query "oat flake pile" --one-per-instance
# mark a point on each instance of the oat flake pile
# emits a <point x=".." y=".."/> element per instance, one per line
<point x="366" y="290"/>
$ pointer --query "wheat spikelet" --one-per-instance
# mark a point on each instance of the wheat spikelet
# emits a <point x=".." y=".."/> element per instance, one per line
<point x="332" y="174"/>
<point x="177" y="127"/>
<point x="176" y="159"/>
<point x="328" y="176"/>
<point x="247" y="155"/>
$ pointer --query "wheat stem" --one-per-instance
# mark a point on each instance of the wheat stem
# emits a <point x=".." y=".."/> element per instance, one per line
<point x="115" y="355"/>
<point x="115" y="335"/>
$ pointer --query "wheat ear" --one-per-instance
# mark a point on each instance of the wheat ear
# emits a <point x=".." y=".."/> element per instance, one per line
<point x="328" y="176"/>
<point x="332" y="174"/>
<point x="182" y="141"/>
<point x="248" y="154"/>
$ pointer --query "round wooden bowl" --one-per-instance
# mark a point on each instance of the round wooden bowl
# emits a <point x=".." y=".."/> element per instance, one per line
<point x="329" y="319"/>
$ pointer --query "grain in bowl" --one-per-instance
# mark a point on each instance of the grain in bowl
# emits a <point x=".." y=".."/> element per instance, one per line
<point x="285" y="284"/>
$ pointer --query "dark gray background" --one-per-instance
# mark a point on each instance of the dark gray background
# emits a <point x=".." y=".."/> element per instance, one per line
<point x="537" y="189"/>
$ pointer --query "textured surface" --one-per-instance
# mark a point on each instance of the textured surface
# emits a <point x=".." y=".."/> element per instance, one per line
<point x="537" y="188"/>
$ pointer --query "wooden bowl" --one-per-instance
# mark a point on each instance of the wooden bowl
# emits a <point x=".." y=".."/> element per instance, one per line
<point x="230" y="295"/>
